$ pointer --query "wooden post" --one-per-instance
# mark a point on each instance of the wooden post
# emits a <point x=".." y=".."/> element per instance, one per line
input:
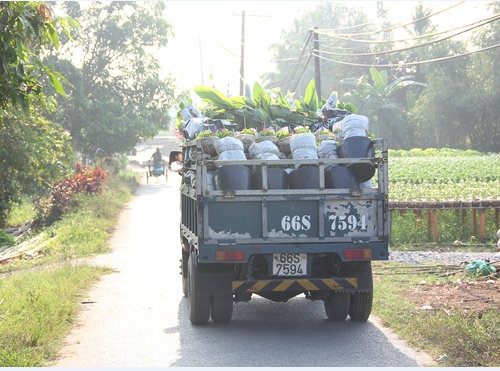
<point x="435" y="225"/>
<point x="429" y="224"/>
<point x="474" y="222"/>
<point x="482" y="218"/>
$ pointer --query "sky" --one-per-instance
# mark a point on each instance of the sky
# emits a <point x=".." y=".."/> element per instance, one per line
<point x="206" y="48"/>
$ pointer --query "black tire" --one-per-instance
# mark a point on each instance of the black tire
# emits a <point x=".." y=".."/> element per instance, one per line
<point x="337" y="305"/>
<point x="362" y="301"/>
<point x="184" y="272"/>
<point x="199" y="305"/>
<point x="361" y="306"/>
<point x="221" y="308"/>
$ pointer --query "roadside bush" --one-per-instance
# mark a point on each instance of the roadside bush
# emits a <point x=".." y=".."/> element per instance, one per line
<point x="86" y="180"/>
<point x="6" y="240"/>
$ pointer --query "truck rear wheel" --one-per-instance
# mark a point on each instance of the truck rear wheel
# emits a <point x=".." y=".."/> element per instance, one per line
<point x="337" y="305"/>
<point x="361" y="306"/>
<point x="361" y="302"/>
<point x="221" y="308"/>
<point x="199" y="305"/>
<point x="184" y="272"/>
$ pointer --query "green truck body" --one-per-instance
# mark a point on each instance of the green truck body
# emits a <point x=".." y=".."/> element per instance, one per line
<point x="281" y="243"/>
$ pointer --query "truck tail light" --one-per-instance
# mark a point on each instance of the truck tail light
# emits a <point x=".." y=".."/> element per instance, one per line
<point x="358" y="254"/>
<point x="230" y="256"/>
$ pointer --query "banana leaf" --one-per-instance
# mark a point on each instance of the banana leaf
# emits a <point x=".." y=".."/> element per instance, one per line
<point x="214" y="97"/>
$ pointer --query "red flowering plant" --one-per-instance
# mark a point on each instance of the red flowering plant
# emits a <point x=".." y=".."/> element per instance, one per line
<point x="86" y="180"/>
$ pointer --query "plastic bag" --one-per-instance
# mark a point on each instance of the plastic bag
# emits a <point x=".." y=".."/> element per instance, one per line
<point x="302" y="140"/>
<point x="265" y="146"/>
<point x="480" y="268"/>
<point x="228" y="144"/>
<point x="192" y="128"/>
<point x="232" y="155"/>
<point x="354" y="125"/>
<point x="327" y="149"/>
<point x="305" y="153"/>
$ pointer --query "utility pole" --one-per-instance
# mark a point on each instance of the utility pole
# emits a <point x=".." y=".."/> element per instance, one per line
<point x="201" y="61"/>
<point x="317" y="72"/>
<point x="242" y="55"/>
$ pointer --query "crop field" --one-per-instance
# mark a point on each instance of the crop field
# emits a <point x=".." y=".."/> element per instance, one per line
<point x="440" y="175"/>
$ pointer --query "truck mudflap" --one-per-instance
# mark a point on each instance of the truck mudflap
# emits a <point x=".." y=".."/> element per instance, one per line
<point x="295" y="284"/>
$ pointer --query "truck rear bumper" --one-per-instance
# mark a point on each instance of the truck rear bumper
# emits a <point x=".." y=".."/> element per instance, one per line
<point x="295" y="284"/>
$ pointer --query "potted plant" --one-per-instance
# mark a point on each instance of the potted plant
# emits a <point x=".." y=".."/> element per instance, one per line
<point x="267" y="134"/>
<point x="208" y="139"/>
<point x="324" y="135"/>
<point x="283" y="136"/>
<point x="247" y="137"/>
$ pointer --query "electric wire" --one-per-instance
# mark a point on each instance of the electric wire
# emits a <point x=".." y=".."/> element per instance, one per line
<point x="368" y="41"/>
<point x="413" y="46"/>
<point x="400" y="25"/>
<point x="402" y="64"/>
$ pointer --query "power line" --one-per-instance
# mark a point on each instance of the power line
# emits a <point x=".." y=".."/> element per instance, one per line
<point x="289" y="77"/>
<point x="400" y="25"/>
<point x="402" y="64"/>
<point x="413" y="46"/>
<point x="368" y="41"/>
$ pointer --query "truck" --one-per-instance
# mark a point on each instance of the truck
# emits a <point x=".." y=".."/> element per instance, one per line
<point x="281" y="243"/>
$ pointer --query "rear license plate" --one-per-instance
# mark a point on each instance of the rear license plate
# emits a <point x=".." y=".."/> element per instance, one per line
<point x="289" y="264"/>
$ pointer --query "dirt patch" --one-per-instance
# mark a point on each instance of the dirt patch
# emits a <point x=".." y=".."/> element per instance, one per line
<point x="469" y="297"/>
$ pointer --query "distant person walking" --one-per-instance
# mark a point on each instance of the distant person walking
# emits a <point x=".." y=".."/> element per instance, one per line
<point x="156" y="157"/>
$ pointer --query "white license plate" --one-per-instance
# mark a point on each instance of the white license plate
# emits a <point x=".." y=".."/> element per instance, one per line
<point x="289" y="264"/>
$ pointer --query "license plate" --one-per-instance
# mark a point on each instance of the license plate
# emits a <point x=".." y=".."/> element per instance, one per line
<point x="289" y="264"/>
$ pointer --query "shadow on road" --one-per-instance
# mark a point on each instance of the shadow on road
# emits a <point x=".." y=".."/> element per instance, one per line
<point x="292" y="334"/>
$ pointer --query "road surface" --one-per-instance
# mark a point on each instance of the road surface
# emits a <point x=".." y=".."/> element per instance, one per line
<point x="138" y="315"/>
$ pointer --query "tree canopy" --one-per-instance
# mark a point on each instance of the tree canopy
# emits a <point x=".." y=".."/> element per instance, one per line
<point x="33" y="150"/>
<point x="426" y="89"/>
<point x="118" y="95"/>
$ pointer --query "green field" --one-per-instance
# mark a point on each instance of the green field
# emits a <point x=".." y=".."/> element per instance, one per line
<point x="439" y="175"/>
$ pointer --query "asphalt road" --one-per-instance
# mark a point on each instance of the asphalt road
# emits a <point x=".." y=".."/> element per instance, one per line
<point x="138" y="315"/>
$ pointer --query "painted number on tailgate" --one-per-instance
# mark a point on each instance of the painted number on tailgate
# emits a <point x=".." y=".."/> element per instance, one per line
<point x="347" y="222"/>
<point x="296" y="223"/>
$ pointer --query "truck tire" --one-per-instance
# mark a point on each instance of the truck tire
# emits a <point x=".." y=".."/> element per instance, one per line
<point x="361" y="302"/>
<point x="221" y="308"/>
<point x="184" y="272"/>
<point x="337" y="305"/>
<point x="199" y="305"/>
<point x="361" y="306"/>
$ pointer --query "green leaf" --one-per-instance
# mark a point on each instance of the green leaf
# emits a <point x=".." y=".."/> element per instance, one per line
<point x="56" y="83"/>
<point x="379" y="82"/>
<point x="213" y="96"/>
<point x="311" y="97"/>
<point x="53" y="36"/>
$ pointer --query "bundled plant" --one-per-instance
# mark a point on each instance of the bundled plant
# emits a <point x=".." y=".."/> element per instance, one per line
<point x="206" y="134"/>
<point x="267" y="132"/>
<point x="224" y="133"/>
<point x="302" y="130"/>
<point x="248" y="131"/>
<point x="283" y="133"/>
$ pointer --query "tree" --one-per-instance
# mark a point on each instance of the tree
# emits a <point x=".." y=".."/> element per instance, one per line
<point x="25" y="27"/>
<point x="119" y="97"/>
<point x="33" y="151"/>
<point x="375" y="100"/>
<point x="294" y="73"/>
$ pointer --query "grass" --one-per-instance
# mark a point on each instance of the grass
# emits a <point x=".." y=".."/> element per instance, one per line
<point x="462" y="340"/>
<point x="37" y="309"/>
<point x="40" y="298"/>
<point x="37" y="306"/>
